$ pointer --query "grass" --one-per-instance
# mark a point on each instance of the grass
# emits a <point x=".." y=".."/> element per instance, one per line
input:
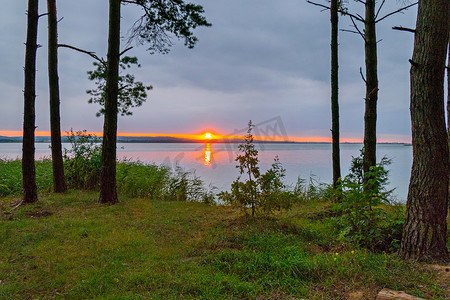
<point x="134" y="179"/>
<point x="69" y="246"/>
<point x="11" y="176"/>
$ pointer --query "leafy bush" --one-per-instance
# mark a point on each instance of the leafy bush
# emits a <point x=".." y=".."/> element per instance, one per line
<point x="274" y="194"/>
<point x="262" y="193"/>
<point x="363" y="220"/>
<point x="83" y="162"/>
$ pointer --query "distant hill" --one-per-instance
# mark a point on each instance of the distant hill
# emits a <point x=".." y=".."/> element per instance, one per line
<point x="153" y="139"/>
<point x="7" y="139"/>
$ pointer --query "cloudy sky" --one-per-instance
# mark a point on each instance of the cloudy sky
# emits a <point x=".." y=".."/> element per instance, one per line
<point x="260" y="59"/>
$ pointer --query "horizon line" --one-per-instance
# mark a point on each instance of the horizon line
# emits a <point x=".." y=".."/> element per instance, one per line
<point x="215" y="136"/>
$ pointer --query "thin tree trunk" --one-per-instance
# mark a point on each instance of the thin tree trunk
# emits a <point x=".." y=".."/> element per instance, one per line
<point x="59" y="184"/>
<point x="425" y="229"/>
<point x="335" y="92"/>
<point x="28" y="167"/>
<point x="108" y="190"/>
<point x="448" y="93"/>
<point x="370" y="116"/>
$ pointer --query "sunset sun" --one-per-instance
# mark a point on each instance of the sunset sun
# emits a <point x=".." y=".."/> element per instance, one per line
<point x="208" y="136"/>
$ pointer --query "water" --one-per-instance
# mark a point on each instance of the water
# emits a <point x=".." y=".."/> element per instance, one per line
<point x="215" y="162"/>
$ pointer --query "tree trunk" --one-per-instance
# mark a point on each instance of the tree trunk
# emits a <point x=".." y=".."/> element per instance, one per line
<point x="335" y="92"/>
<point x="59" y="184"/>
<point x="425" y="229"/>
<point x="28" y="167"/>
<point x="108" y="190"/>
<point x="370" y="116"/>
<point x="448" y="93"/>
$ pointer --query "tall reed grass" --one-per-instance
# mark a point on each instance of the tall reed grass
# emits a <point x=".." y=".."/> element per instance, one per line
<point x="134" y="179"/>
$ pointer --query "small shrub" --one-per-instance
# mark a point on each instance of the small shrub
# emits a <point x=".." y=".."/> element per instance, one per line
<point x="262" y="193"/>
<point x="363" y="220"/>
<point x="274" y="194"/>
<point x="83" y="162"/>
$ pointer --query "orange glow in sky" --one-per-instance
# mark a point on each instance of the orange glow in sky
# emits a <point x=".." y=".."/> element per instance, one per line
<point x="208" y="136"/>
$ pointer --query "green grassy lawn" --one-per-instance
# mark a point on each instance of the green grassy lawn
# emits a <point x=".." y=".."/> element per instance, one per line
<point x="68" y="246"/>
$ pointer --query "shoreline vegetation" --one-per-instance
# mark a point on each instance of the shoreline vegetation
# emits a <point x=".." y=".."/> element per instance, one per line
<point x="169" y="237"/>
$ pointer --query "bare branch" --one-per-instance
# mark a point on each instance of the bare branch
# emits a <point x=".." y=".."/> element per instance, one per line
<point x="351" y="31"/>
<point x="362" y="76"/>
<point x="46" y="14"/>
<point x="60" y="20"/>
<point x="357" y="17"/>
<point x="379" y="9"/>
<point x="404" y="29"/>
<point x="92" y="54"/>
<point x="357" y="29"/>
<point x="413" y="63"/>
<point x="395" y="12"/>
<point x="124" y="51"/>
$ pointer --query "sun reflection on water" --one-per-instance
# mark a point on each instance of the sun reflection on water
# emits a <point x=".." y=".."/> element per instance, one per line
<point x="207" y="156"/>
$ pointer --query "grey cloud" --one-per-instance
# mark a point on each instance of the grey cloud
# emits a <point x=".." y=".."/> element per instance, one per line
<point x="260" y="59"/>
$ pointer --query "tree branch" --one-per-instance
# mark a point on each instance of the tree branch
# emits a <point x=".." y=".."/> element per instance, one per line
<point x="351" y="31"/>
<point x="395" y="12"/>
<point x="92" y="54"/>
<point x="404" y="29"/>
<point x="124" y="87"/>
<point x="362" y="76"/>
<point x="357" y="17"/>
<point x="379" y="9"/>
<point x="124" y="51"/>
<point x="413" y="63"/>
<point x="42" y="15"/>
<point x="357" y="29"/>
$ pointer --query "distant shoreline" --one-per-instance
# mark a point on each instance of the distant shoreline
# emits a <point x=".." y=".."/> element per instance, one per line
<point x="172" y="140"/>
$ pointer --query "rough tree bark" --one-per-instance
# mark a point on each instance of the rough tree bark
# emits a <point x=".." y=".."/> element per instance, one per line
<point x="59" y="184"/>
<point x="108" y="189"/>
<point x="370" y="115"/>
<point x="28" y="167"/>
<point x="425" y="229"/>
<point x="335" y="92"/>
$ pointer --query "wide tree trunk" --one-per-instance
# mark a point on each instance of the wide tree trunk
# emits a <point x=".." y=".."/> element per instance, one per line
<point x="370" y="115"/>
<point x="425" y="229"/>
<point x="28" y="167"/>
<point x="108" y="190"/>
<point x="335" y="92"/>
<point x="59" y="184"/>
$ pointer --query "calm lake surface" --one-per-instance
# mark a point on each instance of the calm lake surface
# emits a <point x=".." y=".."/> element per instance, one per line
<point x="214" y="163"/>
